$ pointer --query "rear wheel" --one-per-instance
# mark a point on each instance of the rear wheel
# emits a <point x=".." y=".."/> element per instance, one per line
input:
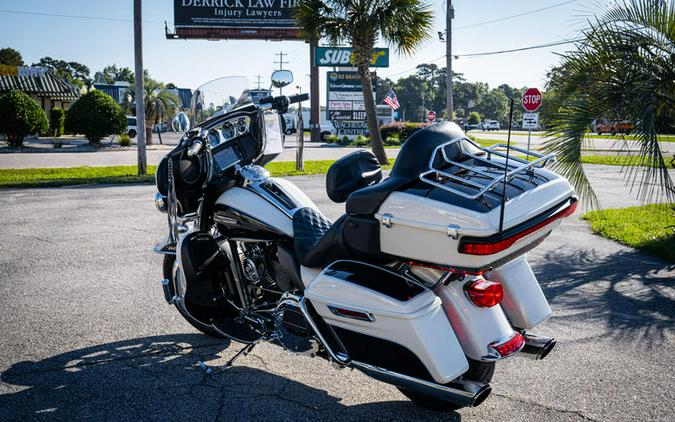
<point x="325" y="135"/>
<point x="478" y="371"/>
<point x="167" y="268"/>
<point x="132" y="133"/>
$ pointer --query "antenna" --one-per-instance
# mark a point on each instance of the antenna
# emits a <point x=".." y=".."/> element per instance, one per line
<point x="506" y="169"/>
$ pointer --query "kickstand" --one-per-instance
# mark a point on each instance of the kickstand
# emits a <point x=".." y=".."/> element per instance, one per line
<point x="215" y="369"/>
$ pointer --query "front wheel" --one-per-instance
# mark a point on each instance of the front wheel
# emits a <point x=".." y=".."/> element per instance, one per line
<point x="167" y="267"/>
<point x="478" y="371"/>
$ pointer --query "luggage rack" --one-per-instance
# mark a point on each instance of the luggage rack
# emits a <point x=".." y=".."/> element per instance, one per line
<point x="481" y="189"/>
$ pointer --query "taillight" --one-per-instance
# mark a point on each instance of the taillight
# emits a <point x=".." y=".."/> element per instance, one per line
<point x="484" y="293"/>
<point x="478" y="247"/>
<point x="510" y="346"/>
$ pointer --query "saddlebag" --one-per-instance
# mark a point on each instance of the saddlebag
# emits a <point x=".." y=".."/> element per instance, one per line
<point x="388" y="321"/>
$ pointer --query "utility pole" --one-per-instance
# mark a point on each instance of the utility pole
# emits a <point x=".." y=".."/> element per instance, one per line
<point x="140" y="101"/>
<point x="314" y="107"/>
<point x="281" y="64"/>
<point x="258" y="80"/>
<point x="300" y="130"/>
<point x="449" y="16"/>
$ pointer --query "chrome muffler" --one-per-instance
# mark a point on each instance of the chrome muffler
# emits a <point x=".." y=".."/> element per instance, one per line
<point x="537" y="347"/>
<point x="461" y="392"/>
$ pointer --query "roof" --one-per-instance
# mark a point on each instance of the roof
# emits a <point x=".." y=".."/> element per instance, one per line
<point x="45" y="85"/>
<point x="112" y="90"/>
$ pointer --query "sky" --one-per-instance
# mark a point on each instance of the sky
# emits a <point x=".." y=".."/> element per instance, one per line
<point x="100" y="42"/>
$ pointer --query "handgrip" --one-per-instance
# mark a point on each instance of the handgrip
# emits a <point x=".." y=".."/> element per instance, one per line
<point x="298" y="98"/>
<point x="195" y="148"/>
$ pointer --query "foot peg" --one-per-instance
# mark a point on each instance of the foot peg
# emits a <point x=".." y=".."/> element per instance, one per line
<point x="537" y="347"/>
<point x="166" y="286"/>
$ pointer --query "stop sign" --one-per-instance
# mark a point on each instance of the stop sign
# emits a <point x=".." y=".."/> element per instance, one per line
<point x="532" y="99"/>
<point x="431" y="116"/>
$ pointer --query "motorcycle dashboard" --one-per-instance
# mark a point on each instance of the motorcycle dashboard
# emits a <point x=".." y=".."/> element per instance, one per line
<point x="226" y="157"/>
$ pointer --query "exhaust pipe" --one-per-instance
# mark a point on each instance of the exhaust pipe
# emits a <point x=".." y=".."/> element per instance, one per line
<point x="537" y="347"/>
<point x="461" y="392"/>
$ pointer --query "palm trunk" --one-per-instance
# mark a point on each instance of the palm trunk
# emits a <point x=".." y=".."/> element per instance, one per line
<point x="363" y="57"/>
<point x="148" y="135"/>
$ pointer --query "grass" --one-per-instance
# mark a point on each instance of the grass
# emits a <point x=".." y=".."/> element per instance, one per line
<point x="662" y="138"/>
<point x="650" y="228"/>
<point x="51" y="177"/>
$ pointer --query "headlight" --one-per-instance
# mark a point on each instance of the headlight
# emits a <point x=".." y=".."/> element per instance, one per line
<point x="160" y="202"/>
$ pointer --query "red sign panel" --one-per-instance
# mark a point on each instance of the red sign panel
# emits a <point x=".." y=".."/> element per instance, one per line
<point x="431" y="116"/>
<point x="532" y="99"/>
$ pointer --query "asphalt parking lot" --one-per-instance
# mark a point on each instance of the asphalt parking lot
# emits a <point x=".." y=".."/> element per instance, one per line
<point x="86" y="334"/>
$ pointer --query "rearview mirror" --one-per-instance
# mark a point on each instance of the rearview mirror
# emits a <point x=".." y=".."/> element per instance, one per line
<point x="282" y="78"/>
<point x="180" y="123"/>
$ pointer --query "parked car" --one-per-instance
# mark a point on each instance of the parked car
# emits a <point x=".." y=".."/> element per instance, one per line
<point x="614" y="127"/>
<point x="491" y="125"/>
<point x="131" y="126"/>
<point x="470" y="127"/>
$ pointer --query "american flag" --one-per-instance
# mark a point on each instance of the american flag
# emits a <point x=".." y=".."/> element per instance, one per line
<point x="391" y="100"/>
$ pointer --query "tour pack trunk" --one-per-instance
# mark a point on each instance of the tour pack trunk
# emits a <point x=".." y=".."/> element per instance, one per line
<point x="453" y="215"/>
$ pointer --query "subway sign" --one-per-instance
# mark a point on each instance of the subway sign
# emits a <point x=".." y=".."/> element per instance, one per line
<point x="343" y="57"/>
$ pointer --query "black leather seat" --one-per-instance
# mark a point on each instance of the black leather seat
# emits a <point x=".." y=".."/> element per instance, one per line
<point x="316" y="241"/>
<point x="412" y="160"/>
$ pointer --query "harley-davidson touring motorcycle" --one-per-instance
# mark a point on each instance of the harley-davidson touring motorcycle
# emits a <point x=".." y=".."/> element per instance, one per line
<point x="423" y="283"/>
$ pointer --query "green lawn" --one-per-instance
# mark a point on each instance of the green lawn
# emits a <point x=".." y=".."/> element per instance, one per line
<point x="650" y="228"/>
<point x="48" y="177"/>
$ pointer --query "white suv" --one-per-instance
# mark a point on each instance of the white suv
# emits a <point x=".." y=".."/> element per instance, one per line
<point x="490" y="125"/>
<point x="131" y="126"/>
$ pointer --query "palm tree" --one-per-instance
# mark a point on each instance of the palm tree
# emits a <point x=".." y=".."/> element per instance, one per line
<point x="159" y="105"/>
<point x="403" y="24"/>
<point x="623" y="69"/>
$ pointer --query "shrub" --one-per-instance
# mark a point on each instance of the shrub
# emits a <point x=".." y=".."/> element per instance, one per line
<point x="125" y="141"/>
<point x="96" y="115"/>
<point x="360" y="141"/>
<point x="57" y="117"/>
<point x="20" y="115"/>
<point x="474" y="118"/>
<point x="392" y="140"/>
<point x="344" y="141"/>
<point x="401" y="130"/>
<point x="332" y="139"/>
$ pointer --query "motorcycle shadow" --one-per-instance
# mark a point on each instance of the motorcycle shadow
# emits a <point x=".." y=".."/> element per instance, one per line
<point x="157" y="378"/>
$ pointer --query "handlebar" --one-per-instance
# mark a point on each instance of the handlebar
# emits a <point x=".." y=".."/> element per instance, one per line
<point x="298" y="98"/>
<point x="195" y="148"/>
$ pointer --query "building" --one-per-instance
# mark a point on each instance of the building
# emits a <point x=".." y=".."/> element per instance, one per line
<point x="43" y="86"/>
<point x="119" y="90"/>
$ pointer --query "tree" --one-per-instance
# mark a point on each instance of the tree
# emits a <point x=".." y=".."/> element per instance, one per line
<point x="96" y="115"/>
<point x="622" y="69"/>
<point x="412" y="92"/>
<point x="10" y="57"/>
<point x="383" y="87"/>
<point x="73" y="72"/>
<point x="159" y="105"/>
<point x="20" y="115"/>
<point x="403" y="24"/>
<point x="111" y="74"/>
<point x="495" y="105"/>
<point x="474" y="118"/>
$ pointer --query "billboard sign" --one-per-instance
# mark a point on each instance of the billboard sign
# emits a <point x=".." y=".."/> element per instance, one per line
<point x="345" y="105"/>
<point x="343" y="57"/>
<point x="251" y="19"/>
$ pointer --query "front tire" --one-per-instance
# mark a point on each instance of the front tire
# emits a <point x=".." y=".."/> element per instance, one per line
<point x="478" y="371"/>
<point x="167" y="268"/>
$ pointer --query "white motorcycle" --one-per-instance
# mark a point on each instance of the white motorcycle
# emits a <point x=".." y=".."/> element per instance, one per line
<point x="423" y="283"/>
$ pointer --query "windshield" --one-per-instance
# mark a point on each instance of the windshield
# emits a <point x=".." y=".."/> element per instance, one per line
<point x="219" y="96"/>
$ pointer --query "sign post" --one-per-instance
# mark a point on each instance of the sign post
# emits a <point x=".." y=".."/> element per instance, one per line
<point x="531" y="102"/>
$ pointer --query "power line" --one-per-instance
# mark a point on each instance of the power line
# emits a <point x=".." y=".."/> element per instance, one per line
<point x="490" y="53"/>
<point x="57" y="15"/>
<point x="529" y="12"/>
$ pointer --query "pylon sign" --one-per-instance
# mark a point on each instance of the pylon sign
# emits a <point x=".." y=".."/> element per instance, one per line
<point x="239" y="19"/>
<point x="343" y="57"/>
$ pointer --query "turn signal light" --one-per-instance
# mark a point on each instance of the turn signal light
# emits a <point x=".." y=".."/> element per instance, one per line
<point x="484" y="293"/>
<point x="509" y="347"/>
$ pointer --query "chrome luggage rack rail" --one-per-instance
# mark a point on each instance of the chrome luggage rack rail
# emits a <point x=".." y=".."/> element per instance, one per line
<point x="522" y="166"/>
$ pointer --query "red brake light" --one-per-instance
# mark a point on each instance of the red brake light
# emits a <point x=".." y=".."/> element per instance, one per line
<point x="509" y="347"/>
<point x="475" y="248"/>
<point x="484" y="293"/>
